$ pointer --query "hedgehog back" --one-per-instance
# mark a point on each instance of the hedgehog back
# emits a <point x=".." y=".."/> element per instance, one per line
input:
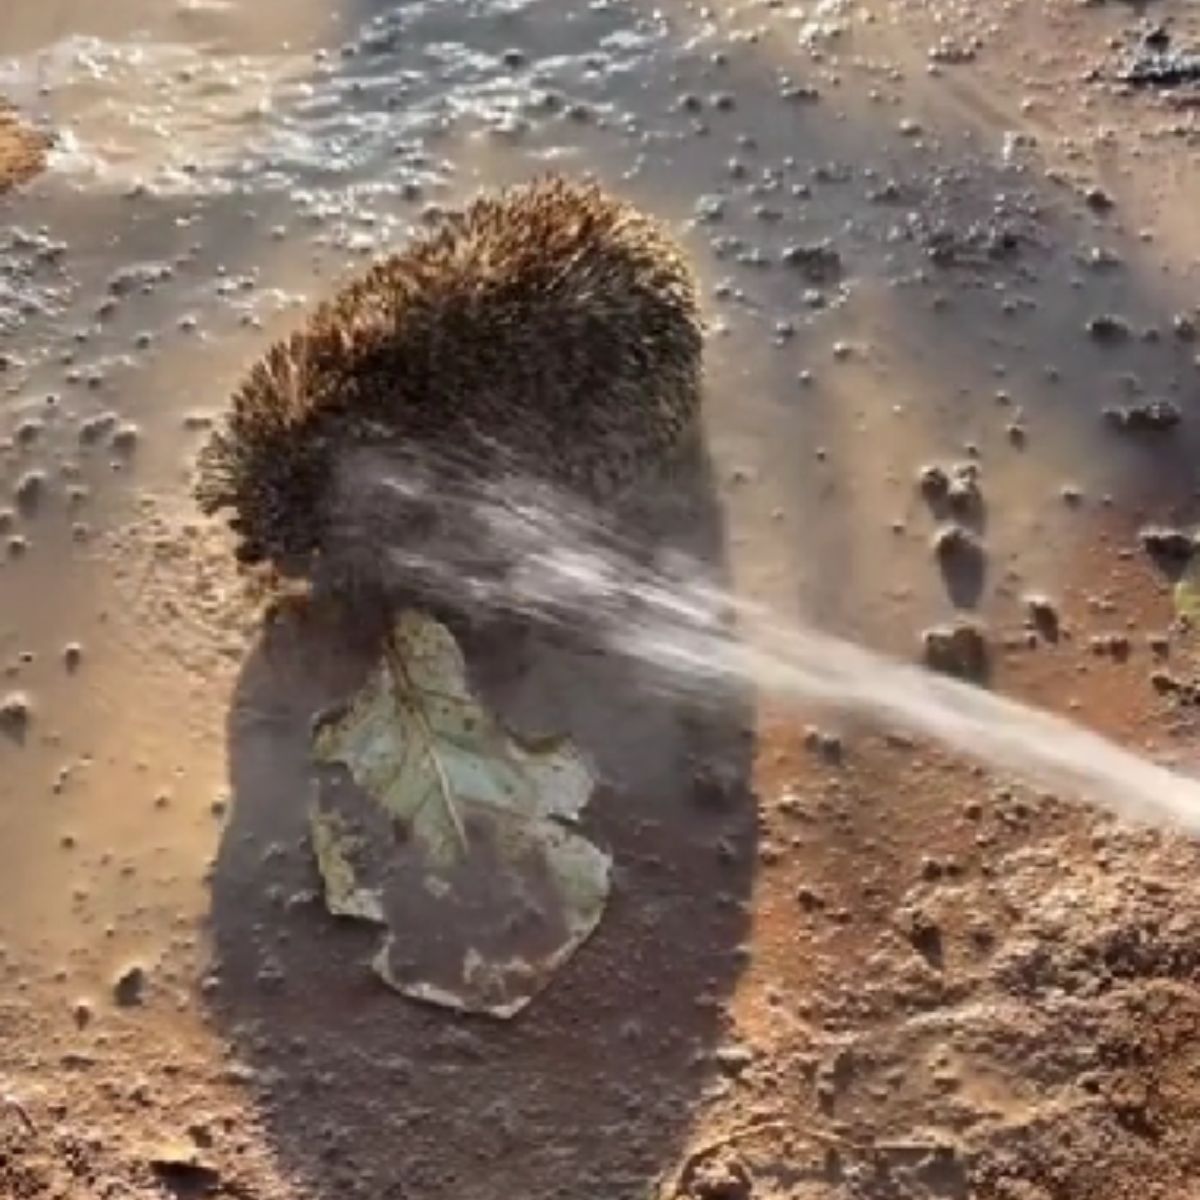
<point x="550" y="327"/>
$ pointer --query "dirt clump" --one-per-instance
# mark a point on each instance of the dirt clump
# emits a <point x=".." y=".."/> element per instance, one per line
<point x="960" y="649"/>
<point x="1154" y="416"/>
<point x="22" y="149"/>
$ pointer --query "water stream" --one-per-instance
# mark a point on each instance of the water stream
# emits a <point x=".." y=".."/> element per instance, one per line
<point x="565" y="567"/>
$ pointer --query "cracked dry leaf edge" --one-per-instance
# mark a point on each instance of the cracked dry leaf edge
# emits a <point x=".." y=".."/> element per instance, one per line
<point x="596" y="878"/>
<point x="344" y="897"/>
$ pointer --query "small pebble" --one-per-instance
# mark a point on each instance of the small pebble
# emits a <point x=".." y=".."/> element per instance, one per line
<point x="28" y="432"/>
<point x="1044" y="616"/>
<point x="125" y="438"/>
<point x="955" y="542"/>
<point x="129" y="987"/>
<point x="1166" y="544"/>
<point x="959" y="650"/>
<point x="1107" y="328"/>
<point x="30" y="489"/>
<point x="933" y="482"/>
<point x="1155" y="416"/>
<point x="16" y="713"/>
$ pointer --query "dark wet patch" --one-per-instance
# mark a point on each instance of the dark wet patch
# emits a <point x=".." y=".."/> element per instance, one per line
<point x="1171" y="549"/>
<point x="186" y="1180"/>
<point x="1157" y="63"/>
<point x="1151" y="416"/>
<point x="619" y="1042"/>
<point x="963" y="563"/>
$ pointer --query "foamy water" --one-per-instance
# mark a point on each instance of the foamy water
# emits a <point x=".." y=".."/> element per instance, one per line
<point x="181" y="118"/>
<point x="573" y="572"/>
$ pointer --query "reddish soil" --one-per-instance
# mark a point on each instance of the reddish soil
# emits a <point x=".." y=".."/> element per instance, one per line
<point x="22" y="150"/>
<point x="839" y="963"/>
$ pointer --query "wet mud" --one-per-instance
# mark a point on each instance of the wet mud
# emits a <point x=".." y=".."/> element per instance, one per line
<point x="952" y="363"/>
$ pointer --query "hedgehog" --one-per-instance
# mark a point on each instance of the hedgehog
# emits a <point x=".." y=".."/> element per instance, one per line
<point x="549" y="330"/>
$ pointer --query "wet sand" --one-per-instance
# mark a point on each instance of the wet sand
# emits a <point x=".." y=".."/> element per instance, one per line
<point x="853" y="966"/>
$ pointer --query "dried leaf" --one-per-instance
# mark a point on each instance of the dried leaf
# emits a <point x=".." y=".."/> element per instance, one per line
<point x="457" y="836"/>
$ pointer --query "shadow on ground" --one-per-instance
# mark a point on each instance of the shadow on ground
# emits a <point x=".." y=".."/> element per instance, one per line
<point x="592" y="1090"/>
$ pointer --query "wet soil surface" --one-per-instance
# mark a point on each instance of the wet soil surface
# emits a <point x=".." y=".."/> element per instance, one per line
<point x="949" y="264"/>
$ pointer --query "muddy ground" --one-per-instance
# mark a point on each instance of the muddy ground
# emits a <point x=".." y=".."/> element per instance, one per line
<point x="839" y="961"/>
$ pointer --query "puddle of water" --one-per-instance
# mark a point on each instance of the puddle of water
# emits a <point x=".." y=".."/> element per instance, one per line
<point x="185" y="118"/>
<point x="230" y="24"/>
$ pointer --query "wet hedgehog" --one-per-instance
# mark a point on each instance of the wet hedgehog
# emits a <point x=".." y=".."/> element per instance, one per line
<point x="548" y="330"/>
